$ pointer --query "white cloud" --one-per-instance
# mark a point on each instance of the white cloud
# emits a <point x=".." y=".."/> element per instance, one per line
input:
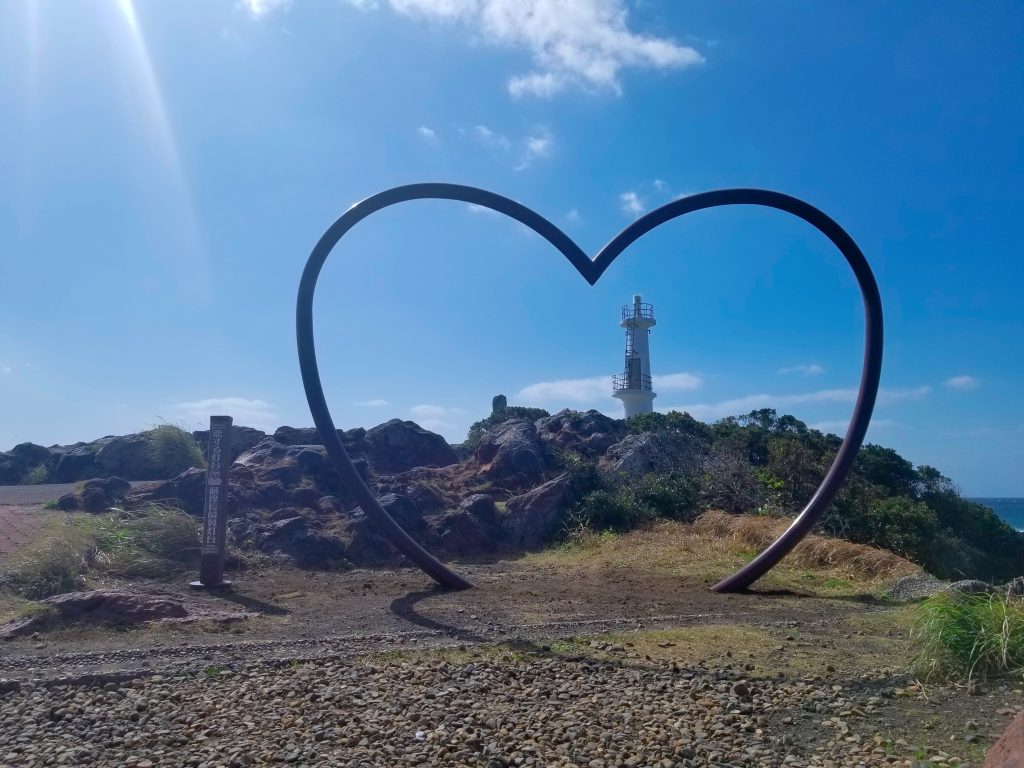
<point x="963" y="383"/>
<point x="660" y="185"/>
<point x="631" y="204"/>
<point x="741" y="405"/>
<point x="676" y="381"/>
<point x="246" y="412"/>
<point x="437" y="418"/>
<point x="535" y="146"/>
<point x="596" y="388"/>
<point x="262" y="7"/>
<point x="429" y="134"/>
<point x="568" y="390"/>
<point x="573" y="216"/>
<point x="6" y="370"/>
<point x="377" y="403"/>
<point x="812" y="369"/>
<point x="573" y="43"/>
<point x="491" y="138"/>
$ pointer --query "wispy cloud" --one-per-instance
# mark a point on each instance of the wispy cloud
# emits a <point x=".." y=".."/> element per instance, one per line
<point x="741" y="405"/>
<point x="491" y="138"/>
<point x="535" y="146"/>
<point x="6" y="370"/>
<point x="260" y="8"/>
<point x="573" y="216"/>
<point x="437" y="418"/>
<point x="481" y="210"/>
<point x="812" y="369"/>
<point x="376" y="403"/>
<point x="839" y="426"/>
<point x="597" y="388"/>
<point x="631" y="204"/>
<point x="573" y="43"/>
<point x="676" y="382"/>
<point x="429" y="135"/>
<point x="247" y="412"/>
<point x="963" y="383"/>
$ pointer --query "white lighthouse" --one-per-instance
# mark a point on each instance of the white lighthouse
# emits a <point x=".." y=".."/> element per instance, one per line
<point x="633" y="387"/>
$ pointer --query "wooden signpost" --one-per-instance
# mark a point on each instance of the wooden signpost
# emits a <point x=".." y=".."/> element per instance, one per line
<point x="218" y="465"/>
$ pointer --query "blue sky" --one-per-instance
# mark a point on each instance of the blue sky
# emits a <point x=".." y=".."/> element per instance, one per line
<point x="165" y="169"/>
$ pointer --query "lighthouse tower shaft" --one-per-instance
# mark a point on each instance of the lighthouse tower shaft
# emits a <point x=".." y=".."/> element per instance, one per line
<point x="633" y="387"/>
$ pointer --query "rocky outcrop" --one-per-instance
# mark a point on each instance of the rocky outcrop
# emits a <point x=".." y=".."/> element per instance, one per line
<point x="1008" y="751"/>
<point x="590" y="433"/>
<point x="530" y="518"/>
<point x="511" y="454"/>
<point x="398" y="446"/>
<point x="114" y="606"/>
<point x="20" y="460"/>
<point x="636" y="455"/>
<point x="242" y="439"/>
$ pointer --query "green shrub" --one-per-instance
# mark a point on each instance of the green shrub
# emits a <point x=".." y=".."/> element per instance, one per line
<point x="970" y="636"/>
<point x="478" y="428"/>
<point x="630" y="505"/>
<point x="172" y="450"/>
<point x="38" y="475"/>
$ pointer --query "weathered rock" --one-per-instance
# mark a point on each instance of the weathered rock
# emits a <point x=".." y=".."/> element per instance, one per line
<point x="242" y="439"/>
<point x="366" y="546"/>
<point x="1014" y="587"/>
<point x="21" y="460"/>
<point x="107" y="605"/>
<point x="590" y="433"/>
<point x="511" y="454"/>
<point x="636" y="455"/>
<point x="397" y="446"/>
<point x="917" y="586"/>
<point x="1008" y="751"/>
<point x="529" y="519"/>
<point x="297" y="436"/>
<point x="186" y="491"/>
<point x="71" y="463"/>
<point x="126" y="456"/>
<point x="100" y="494"/>
<point x="292" y="536"/>
<point x="422" y="486"/>
<point x="970" y="587"/>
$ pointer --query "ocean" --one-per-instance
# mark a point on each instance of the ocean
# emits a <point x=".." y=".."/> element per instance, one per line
<point x="1011" y="510"/>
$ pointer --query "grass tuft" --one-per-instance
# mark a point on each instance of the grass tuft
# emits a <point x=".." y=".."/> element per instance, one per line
<point x="172" y="449"/>
<point x="151" y="542"/>
<point x="967" y="636"/>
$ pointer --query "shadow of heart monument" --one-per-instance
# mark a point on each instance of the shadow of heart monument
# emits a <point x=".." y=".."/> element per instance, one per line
<point x="591" y="271"/>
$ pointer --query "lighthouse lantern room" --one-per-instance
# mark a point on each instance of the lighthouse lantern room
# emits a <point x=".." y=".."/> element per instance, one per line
<point x="633" y="387"/>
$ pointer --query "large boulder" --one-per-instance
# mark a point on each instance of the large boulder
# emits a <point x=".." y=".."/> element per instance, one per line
<point x="100" y="494"/>
<point x="70" y="463"/>
<point x="470" y="529"/>
<point x="126" y="456"/>
<point x="366" y="546"/>
<point x="242" y="439"/>
<point x="589" y="433"/>
<point x="511" y="454"/>
<point x="397" y="446"/>
<point x="531" y="518"/>
<point x="1008" y="751"/>
<point x="294" y="537"/>
<point x="637" y="455"/>
<point x="20" y="460"/>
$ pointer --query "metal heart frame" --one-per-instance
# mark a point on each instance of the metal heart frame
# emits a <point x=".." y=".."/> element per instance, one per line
<point x="591" y="270"/>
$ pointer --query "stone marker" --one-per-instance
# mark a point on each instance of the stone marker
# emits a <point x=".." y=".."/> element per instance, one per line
<point x="218" y="465"/>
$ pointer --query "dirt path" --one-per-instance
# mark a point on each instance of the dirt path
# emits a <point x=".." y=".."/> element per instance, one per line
<point x="18" y="524"/>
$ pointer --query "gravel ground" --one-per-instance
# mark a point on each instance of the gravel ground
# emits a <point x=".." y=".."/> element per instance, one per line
<point x="519" y="710"/>
<point x="537" y="712"/>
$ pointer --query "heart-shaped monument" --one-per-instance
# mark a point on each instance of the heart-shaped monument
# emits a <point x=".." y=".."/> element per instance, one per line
<point x="591" y="270"/>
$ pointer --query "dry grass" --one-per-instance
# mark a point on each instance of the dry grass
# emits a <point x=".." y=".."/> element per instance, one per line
<point x="717" y="543"/>
<point x="856" y="561"/>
